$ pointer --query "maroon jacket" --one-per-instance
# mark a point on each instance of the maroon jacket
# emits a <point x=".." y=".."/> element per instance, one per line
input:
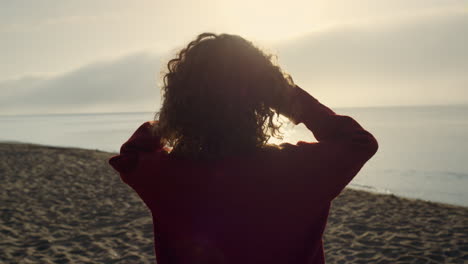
<point x="270" y="206"/>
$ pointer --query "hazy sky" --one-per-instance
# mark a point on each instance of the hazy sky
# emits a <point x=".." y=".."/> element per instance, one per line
<point x="75" y="56"/>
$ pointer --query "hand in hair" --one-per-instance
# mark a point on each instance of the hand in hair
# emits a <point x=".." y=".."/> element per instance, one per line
<point x="287" y="106"/>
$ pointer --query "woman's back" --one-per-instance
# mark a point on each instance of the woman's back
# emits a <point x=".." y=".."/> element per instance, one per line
<point x="254" y="210"/>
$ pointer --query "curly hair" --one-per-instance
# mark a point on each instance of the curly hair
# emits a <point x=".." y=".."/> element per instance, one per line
<point x="220" y="95"/>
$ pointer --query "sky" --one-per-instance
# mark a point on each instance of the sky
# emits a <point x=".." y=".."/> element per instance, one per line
<point x="106" y="55"/>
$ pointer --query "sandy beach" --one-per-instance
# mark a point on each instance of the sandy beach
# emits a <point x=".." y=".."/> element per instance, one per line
<point x="65" y="205"/>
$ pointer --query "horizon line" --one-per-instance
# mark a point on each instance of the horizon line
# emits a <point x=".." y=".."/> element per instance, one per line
<point x="145" y="111"/>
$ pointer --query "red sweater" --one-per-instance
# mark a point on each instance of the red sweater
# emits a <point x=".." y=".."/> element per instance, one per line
<point x="264" y="207"/>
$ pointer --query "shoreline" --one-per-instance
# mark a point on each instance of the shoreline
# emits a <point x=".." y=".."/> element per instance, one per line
<point x="389" y="193"/>
<point x="61" y="204"/>
<point x="353" y="186"/>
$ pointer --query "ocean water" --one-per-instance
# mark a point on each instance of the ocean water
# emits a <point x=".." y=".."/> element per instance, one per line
<point x="423" y="151"/>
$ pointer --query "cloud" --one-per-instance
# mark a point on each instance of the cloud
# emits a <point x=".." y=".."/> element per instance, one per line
<point x="43" y="24"/>
<point x="422" y="60"/>
<point x="125" y="84"/>
<point x="419" y="60"/>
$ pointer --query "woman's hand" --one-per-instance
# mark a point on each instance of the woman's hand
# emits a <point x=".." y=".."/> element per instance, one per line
<point x="287" y="106"/>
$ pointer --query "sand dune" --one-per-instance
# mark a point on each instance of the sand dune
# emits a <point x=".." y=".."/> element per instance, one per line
<point x="62" y="205"/>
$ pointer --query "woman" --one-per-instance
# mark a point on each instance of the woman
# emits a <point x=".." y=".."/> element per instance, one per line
<point x="223" y="195"/>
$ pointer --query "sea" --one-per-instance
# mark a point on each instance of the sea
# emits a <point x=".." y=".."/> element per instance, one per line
<point x="423" y="150"/>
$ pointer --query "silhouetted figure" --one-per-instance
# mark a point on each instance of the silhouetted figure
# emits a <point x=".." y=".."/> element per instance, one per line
<point x="223" y="195"/>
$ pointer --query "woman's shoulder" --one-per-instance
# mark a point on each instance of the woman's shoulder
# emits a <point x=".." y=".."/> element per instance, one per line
<point x="288" y="148"/>
<point x="282" y="146"/>
<point x="276" y="149"/>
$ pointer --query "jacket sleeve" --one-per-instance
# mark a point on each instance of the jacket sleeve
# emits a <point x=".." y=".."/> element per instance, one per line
<point x="342" y="149"/>
<point x="141" y="143"/>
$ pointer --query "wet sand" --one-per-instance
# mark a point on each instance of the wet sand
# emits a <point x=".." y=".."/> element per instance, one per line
<point x="65" y="205"/>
